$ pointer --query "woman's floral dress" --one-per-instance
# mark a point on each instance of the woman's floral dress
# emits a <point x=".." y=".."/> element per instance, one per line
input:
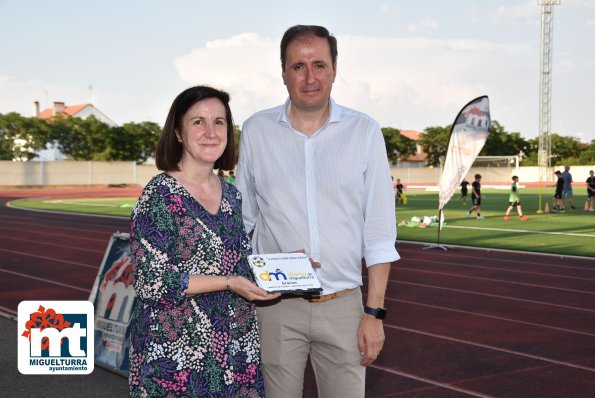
<point x="205" y="345"/>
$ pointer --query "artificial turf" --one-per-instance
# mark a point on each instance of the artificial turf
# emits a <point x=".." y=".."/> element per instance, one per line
<point x="569" y="233"/>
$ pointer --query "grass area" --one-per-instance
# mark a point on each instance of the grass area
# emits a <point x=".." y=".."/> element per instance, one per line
<point x="103" y="206"/>
<point x="570" y="233"/>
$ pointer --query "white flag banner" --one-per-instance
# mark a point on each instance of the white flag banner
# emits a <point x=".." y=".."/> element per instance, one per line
<point x="468" y="135"/>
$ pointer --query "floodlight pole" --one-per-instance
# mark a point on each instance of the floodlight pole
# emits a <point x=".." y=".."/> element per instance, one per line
<point x="544" y="154"/>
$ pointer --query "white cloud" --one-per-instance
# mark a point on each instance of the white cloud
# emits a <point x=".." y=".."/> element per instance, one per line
<point x="424" y="24"/>
<point x="18" y="95"/>
<point x="409" y="83"/>
<point x="386" y="9"/>
<point x="525" y="11"/>
<point x="246" y="65"/>
<point x="588" y="4"/>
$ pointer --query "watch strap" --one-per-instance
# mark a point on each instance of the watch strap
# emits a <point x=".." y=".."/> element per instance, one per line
<point x="378" y="313"/>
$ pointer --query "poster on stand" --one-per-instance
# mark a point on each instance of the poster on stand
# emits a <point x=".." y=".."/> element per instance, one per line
<point x="113" y="298"/>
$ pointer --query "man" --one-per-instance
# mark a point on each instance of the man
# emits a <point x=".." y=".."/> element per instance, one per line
<point x="591" y="190"/>
<point x="558" y="202"/>
<point x="334" y="201"/>
<point x="567" y="190"/>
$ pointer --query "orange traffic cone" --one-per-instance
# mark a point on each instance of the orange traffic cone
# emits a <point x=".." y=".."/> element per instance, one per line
<point x="547" y="207"/>
<point x="587" y="205"/>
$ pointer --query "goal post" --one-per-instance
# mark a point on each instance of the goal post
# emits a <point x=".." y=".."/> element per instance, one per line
<point x="495" y="169"/>
<point x="509" y="161"/>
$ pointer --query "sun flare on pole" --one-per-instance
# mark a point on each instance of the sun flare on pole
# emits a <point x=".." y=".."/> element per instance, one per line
<point x="544" y="154"/>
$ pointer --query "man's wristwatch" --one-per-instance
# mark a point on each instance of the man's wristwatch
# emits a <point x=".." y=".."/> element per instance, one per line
<point x="379" y="313"/>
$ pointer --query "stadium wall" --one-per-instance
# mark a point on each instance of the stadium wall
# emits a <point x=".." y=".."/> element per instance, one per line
<point x="64" y="173"/>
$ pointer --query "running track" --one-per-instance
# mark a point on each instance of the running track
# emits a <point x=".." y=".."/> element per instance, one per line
<point x="461" y="323"/>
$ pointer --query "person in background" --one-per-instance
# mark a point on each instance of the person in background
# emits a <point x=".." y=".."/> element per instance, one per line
<point x="558" y="201"/>
<point x="400" y="192"/>
<point x="336" y="202"/>
<point x="567" y="191"/>
<point x="231" y="178"/>
<point x="591" y="190"/>
<point x="194" y="331"/>
<point x="464" y="186"/>
<point x="514" y="200"/>
<point x="476" y="197"/>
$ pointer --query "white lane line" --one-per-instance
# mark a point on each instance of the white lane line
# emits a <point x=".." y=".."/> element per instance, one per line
<point x="523" y="231"/>
<point x="502" y="270"/>
<point x="45" y="280"/>
<point x="500" y="318"/>
<point x="50" y="258"/>
<point x="493" y="296"/>
<point x="494" y="348"/>
<point x="497" y="280"/>
<point x="430" y="381"/>
<point x="37" y="242"/>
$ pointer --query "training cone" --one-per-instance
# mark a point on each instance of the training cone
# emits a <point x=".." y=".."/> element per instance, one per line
<point x="587" y="205"/>
<point x="547" y="207"/>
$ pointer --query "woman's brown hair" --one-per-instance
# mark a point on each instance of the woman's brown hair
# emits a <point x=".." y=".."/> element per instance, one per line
<point x="169" y="151"/>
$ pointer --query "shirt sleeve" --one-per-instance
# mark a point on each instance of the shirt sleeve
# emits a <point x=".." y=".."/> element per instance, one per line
<point x="153" y="236"/>
<point x="380" y="230"/>
<point x="245" y="183"/>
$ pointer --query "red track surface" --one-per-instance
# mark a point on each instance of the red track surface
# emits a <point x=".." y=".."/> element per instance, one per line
<point x="461" y="323"/>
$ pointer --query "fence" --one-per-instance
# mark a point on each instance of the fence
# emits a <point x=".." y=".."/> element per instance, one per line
<point x="52" y="173"/>
<point x="74" y="173"/>
<point x="490" y="175"/>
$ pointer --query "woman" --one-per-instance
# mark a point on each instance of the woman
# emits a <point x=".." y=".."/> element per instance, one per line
<point x="194" y="332"/>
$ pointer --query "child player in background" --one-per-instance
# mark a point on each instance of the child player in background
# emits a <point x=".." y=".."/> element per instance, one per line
<point x="514" y="200"/>
<point x="558" y="201"/>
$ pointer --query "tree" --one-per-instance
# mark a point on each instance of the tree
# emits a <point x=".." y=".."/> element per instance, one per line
<point x="502" y="143"/>
<point x="20" y="136"/>
<point x="130" y="142"/>
<point x="434" y="141"/>
<point x="588" y="154"/>
<point x="79" y="139"/>
<point x="499" y="142"/>
<point x="565" y="150"/>
<point x="398" y="147"/>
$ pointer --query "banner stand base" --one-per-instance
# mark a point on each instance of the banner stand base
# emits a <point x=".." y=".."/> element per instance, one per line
<point x="435" y="247"/>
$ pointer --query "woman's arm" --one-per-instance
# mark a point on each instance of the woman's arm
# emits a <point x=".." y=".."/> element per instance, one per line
<point x="198" y="284"/>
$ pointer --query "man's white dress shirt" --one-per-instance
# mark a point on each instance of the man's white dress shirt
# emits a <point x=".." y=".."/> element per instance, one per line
<point x="329" y="193"/>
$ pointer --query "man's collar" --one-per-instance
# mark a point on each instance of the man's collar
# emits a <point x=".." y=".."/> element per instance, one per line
<point x="335" y="112"/>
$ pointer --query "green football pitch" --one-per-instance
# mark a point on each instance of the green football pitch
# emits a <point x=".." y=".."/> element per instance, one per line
<point x="569" y="233"/>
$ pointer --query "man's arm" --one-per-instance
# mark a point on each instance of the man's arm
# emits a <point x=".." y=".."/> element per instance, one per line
<point x="245" y="184"/>
<point x="380" y="234"/>
<point x="371" y="329"/>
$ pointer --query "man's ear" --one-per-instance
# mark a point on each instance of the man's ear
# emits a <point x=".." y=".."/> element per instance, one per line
<point x="334" y="71"/>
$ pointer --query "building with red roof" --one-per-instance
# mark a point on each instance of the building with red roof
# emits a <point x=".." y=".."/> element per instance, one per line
<point x="420" y="157"/>
<point x="83" y="111"/>
<point x="60" y="109"/>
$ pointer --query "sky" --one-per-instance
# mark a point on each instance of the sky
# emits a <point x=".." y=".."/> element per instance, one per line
<point x="410" y="64"/>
